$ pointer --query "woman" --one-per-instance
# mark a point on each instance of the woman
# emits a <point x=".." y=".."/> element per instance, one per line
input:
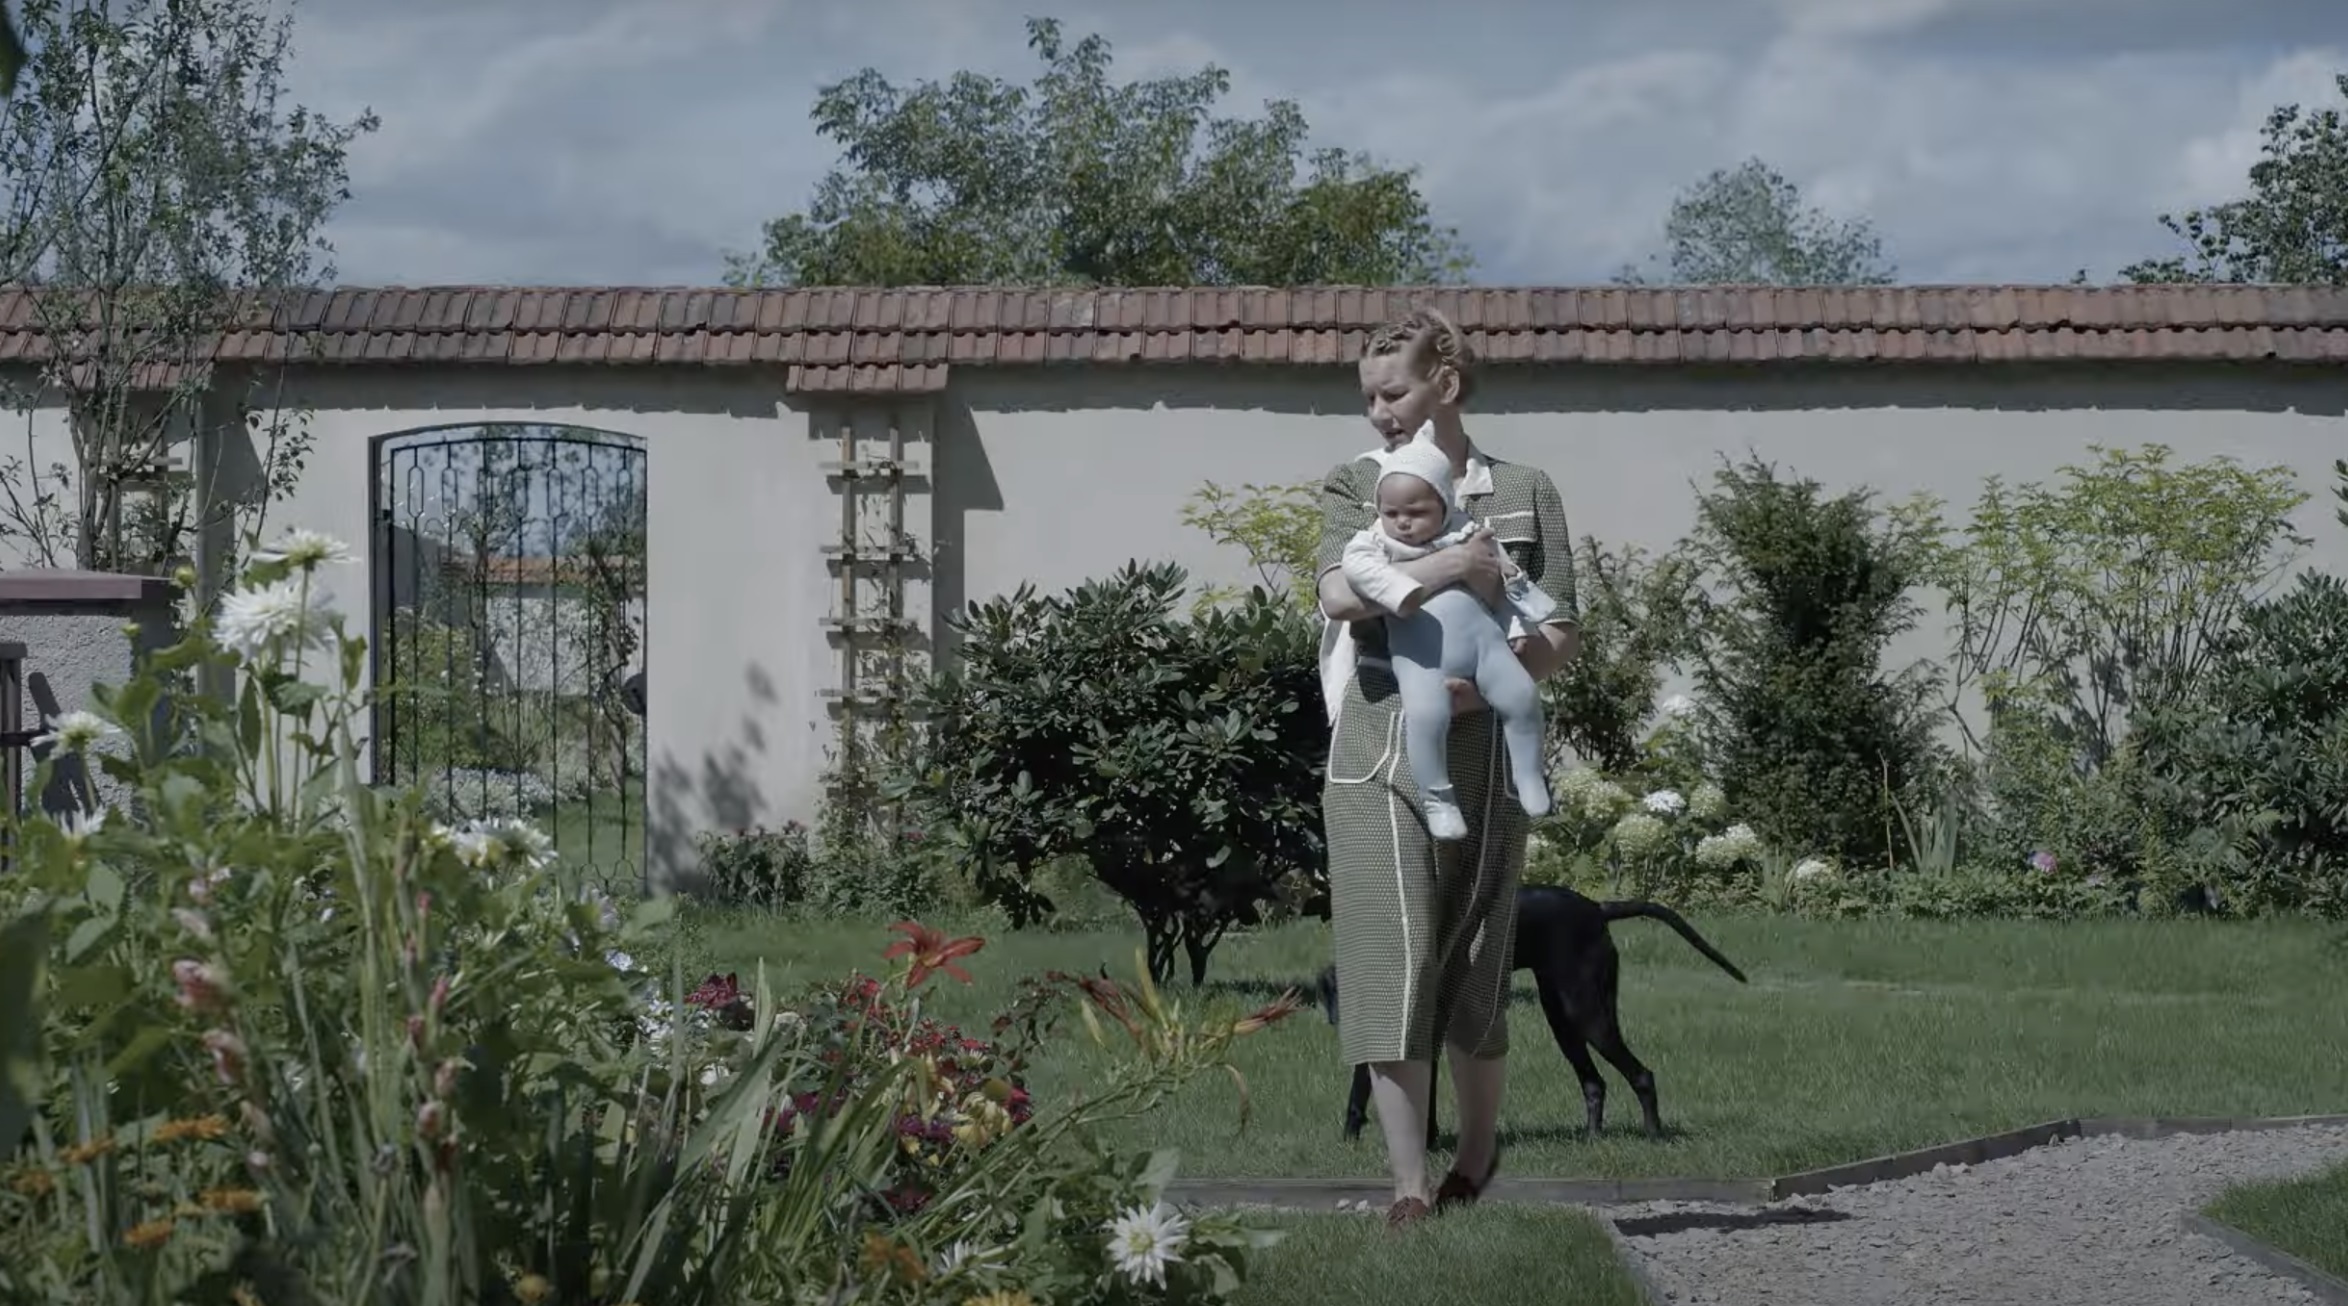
<point x="1423" y="928"/>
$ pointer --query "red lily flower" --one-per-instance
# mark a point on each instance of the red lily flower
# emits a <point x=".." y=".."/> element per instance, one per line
<point x="929" y="951"/>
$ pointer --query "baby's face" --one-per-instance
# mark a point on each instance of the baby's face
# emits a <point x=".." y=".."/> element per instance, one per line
<point x="1410" y="509"/>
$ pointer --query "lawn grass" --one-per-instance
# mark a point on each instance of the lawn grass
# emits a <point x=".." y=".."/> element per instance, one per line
<point x="2307" y="1217"/>
<point x="1490" y="1256"/>
<point x="1854" y="1038"/>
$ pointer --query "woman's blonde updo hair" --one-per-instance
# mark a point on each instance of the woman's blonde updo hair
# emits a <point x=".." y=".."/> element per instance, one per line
<point x="1429" y="340"/>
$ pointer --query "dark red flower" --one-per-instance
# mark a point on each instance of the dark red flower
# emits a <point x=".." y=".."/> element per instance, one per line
<point x="721" y="995"/>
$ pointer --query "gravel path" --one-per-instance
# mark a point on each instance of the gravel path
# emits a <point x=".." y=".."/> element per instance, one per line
<point x="2089" y="1222"/>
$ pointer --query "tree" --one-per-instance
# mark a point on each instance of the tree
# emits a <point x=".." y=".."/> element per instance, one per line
<point x="1081" y="180"/>
<point x="1180" y="757"/>
<point x="2293" y="226"/>
<point x="158" y="188"/>
<point x="1749" y="225"/>
<point x="1797" y="597"/>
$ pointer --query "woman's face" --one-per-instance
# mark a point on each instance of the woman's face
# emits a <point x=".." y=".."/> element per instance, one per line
<point x="1399" y="400"/>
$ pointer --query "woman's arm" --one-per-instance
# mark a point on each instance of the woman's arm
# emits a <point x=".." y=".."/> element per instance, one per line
<point x="1560" y="637"/>
<point x="1548" y="653"/>
<point x="1340" y="601"/>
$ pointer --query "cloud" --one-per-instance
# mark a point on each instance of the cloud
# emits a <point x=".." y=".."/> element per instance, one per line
<point x="618" y="141"/>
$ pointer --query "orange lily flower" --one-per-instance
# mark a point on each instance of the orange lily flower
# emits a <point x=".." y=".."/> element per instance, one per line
<point x="929" y="951"/>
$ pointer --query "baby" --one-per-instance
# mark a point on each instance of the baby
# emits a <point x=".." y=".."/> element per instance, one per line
<point x="1451" y="635"/>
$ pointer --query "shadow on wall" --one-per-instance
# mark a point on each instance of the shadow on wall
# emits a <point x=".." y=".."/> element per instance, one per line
<point x="1508" y="388"/>
<point x="721" y="793"/>
<point x="964" y="483"/>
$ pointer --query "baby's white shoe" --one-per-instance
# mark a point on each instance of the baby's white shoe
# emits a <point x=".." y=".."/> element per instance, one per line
<point x="1443" y="818"/>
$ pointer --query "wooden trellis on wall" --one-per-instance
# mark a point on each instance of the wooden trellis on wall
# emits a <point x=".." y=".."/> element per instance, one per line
<point x="880" y="618"/>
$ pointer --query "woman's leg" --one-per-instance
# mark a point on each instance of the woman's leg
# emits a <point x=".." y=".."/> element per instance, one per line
<point x="1477" y="905"/>
<point x="1478" y="1081"/>
<point x="1401" y="1090"/>
<point x="1381" y="885"/>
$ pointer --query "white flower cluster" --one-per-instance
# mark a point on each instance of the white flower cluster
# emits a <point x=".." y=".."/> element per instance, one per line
<point x="1811" y="868"/>
<point x="1664" y="802"/>
<point x="1585" y="793"/>
<point x="1641" y="835"/>
<point x="1707" y="803"/>
<point x="1719" y="852"/>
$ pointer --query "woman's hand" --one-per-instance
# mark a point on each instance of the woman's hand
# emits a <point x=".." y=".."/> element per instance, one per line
<point x="1476" y="563"/>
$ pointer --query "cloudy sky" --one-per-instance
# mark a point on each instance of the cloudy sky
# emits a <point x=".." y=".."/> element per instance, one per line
<point x="636" y="141"/>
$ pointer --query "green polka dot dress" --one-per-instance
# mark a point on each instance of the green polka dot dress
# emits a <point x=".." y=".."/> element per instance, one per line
<point x="1424" y="929"/>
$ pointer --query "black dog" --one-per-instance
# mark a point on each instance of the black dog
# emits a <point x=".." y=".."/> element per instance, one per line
<point x="1561" y="937"/>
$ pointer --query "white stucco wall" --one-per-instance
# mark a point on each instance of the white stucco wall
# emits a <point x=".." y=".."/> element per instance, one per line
<point x="1055" y="475"/>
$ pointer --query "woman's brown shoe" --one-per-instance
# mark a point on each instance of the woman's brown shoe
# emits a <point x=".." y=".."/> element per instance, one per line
<point x="1408" y="1211"/>
<point x="1458" y="1190"/>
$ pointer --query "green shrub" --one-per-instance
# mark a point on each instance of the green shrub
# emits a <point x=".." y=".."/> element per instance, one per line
<point x="1806" y="732"/>
<point x="269" y="1034"/>
<point x="2260" y="746"/>
<point x="1180" y="757"/>
<point x="755" y="866"/>
<point x="1634" y="625"/>
<point x="2103" y="595"/>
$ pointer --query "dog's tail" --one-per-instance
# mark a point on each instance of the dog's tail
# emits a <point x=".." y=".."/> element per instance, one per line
<point x="1654" y="911"/>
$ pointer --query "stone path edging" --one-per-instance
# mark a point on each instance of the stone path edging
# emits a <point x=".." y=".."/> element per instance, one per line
<point x="2324" y="1286"/>
<point x="1311" y="1194"/>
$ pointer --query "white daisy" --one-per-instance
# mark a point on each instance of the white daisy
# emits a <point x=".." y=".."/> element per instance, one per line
<point x="497" y="845"/>
<point x="76" y="732"/>
<point x="80" y="825"/>
<point x="256" y="621"/>
<point x="305" y="549"/>
<point x="1145" y="1240"/>
<point x="962" y="1254"/>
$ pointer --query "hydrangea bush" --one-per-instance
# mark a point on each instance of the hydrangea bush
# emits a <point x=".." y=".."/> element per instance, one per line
<point x="269" y="1034"/>
<point x="1645" y="838"/>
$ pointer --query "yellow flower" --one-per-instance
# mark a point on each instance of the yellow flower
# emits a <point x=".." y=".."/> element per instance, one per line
<point x="154" y="1233"/>
<point x="84" y="1153"/>
<point x="231" y="1201"/>
<point x="532" y="1289"/>
<point x="201" y="1128"/>
<point x="885" y="1257"/>
<point x="34" y="1183"/>
<point x="983" y="1121"/>
<point x="1000" y="1297"/>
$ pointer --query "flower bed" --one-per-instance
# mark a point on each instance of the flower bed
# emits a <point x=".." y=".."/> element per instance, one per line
<point x="273" y="1035"/>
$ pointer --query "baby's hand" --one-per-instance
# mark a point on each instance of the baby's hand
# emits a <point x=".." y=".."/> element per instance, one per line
<point x="1519" y="644"/>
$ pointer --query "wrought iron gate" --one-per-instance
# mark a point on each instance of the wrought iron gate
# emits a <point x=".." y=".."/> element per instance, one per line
<point x="509" y="600"/>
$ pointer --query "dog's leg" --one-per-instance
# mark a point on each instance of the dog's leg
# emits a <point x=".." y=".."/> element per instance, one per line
<point x="1434" y="1091"/>
<point x="1604" y="1030"/>
<point x="1357" y="1104"/>
<point x="1576" y="1050"/>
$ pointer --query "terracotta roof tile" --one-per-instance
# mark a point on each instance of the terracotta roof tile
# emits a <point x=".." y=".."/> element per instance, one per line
<point x="860" y="339"/>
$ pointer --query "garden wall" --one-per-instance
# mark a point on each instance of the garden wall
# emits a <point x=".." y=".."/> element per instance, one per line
<point x="1054" y="474"/>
